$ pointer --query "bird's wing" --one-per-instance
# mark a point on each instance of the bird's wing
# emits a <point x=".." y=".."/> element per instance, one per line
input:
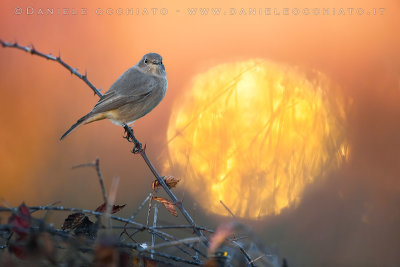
<point x="133" y="86"/>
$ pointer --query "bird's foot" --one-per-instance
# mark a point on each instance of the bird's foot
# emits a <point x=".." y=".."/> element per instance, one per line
<point x="138" y="148"/>
<point x="129" y="135"/>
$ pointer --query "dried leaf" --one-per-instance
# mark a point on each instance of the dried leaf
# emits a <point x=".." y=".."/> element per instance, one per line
<point x="21" y="221"/>
<point x="168" y="205"/>
<point x="115" y="208"/>
<point x="87" y="228"/>
<point x="171" y="182"/>
<point x="72" y="221"/>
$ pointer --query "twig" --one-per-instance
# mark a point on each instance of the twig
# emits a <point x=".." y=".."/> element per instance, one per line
<point x="142" y="250"/>
<point x="135" y="213"/>
<point x="130" y="136"/>
<point x="226" y="207"/>
<point x="178" y="247"/>
<point x="201" y="228"/>
<point x="140" y="207"/>
<point x="85" y="211"/>
<point x="111" y="199"/>
<point x="142" y="151"/>
<point x="189" y="240"/>
<point x="175" y="258"/>
<point x="250" y="261"/>
<point x="256" y="259"/>
<point x="33" y="51"/>
<point x="138" y="149"/>
<point x="149" y="209"/>
<point x="153" y="237"/>
<point x="100" y="175"/>
<point x="96" y="165"/>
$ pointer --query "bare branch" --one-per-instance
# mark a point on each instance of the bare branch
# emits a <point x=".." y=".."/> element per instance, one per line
<point x="138" y="149"/>
<point x="189" y="240"/>
<point x="111" y="200"/>
<point x="33" y="51"/>
<point x="130" y="136"/>
<point x="226" y="207"/>
<point x="96" y="165"/>
<point x="153" y="237"/>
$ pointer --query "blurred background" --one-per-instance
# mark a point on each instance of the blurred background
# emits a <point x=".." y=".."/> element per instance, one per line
<point x="350" y="218"/>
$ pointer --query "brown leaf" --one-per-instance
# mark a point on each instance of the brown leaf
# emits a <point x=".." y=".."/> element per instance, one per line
<point x="168" y="205"/>
<point x="171" y="182"/>
<point x="86" y="228"/>
<point x="115" y="208"/>
<point x="73" y="220"/>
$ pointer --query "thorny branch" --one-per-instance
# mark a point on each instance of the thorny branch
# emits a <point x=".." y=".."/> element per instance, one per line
<point x="130" y="135"/>
<point x="137" y="149"/>
<point x="33" y="51"/>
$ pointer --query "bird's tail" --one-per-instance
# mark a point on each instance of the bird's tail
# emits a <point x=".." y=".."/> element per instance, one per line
<point x="88" y="118"/>
<point x="79" y="122"/>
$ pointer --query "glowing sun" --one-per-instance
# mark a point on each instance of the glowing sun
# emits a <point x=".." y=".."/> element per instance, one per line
<point x="253" y="134"/>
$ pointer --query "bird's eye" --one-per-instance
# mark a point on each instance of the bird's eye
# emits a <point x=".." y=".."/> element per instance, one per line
<point x="145" y="61"/>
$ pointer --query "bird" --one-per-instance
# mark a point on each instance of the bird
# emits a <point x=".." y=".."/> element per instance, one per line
<point x="133" y="95"/>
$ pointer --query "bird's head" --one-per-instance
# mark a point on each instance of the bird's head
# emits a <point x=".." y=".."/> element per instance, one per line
<point x="152" y="63"/>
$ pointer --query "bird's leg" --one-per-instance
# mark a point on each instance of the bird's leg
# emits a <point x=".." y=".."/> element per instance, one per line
<point x="131" y="138"/>
<point x="127" y="136"/>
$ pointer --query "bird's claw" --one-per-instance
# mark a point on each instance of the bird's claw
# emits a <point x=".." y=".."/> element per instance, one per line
<point x="128" y="135"/>
<point x="138" y="148"/>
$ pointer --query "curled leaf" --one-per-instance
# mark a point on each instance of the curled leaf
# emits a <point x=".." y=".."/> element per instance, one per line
<point x="72" y="221"/>
<point x="115" y="208"/>
<point x="87" y="228"/>
<point x="171" y="182"/>
<point x="167" y="204"/>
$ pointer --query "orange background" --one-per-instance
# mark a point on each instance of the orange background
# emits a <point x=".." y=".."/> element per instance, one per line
<point x="351" y="217"/>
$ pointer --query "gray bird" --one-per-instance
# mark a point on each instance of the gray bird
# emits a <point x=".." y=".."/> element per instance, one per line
<point x="136" y="92"/>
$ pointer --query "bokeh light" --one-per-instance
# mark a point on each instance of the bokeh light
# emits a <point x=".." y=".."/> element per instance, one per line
<point x="253" y="134"/>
